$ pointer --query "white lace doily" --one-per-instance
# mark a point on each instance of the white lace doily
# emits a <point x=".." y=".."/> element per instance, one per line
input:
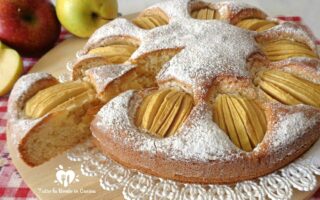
<point x="300" y="175"/>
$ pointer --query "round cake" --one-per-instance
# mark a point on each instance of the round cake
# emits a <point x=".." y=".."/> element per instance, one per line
<point x="190" y="91"/>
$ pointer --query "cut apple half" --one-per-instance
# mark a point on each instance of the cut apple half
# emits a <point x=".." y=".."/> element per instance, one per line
<point x="258" y="25"/>
<point x="284" y="48"/>
<point x="163" y="112"/>
<point x="204" y="14"/>
<point x="52" y="97"/>
<point x="151" y="20"/>
<point x="116" y="53"/>
<point x="288" y="88"/>
<point x="242" y="119"/>
<point x="11" y="68"/>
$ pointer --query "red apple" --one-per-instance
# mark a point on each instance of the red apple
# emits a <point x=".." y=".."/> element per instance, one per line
<point x="29" y="26"/>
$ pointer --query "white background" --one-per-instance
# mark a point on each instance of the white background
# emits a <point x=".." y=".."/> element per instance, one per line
<point x="309" y="10"/>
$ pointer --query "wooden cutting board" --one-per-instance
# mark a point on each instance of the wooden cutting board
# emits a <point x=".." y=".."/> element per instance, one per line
<point x="41" y="179"/>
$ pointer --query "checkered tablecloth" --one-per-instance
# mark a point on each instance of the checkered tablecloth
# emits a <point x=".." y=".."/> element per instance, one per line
<point x="12" y="187"/>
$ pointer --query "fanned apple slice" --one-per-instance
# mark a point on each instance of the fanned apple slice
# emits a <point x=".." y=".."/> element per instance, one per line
<point x="170" y="118"/>
<point x="153" y="107"/>
<point x="161" y="113"/>
<point x="257" y="118"/>
<point x="210" y="14"/>
<point x="239" y="126"/>
<point x="184" y="110"/>
<point x="288" y="88"/>
<point x="230" y="126"/>
<point x="48" y="94"/>
<point x="256" y="24"/>
<point x="265" y="27"/>
<point x="294" y="79"/>
<point x="284" y="48"/>
<point x="305" y="94"/>
<point x="81" y="99"/>
<point x="218" y="116"/>
<point x="11" y="68"/>
<point x="164" y="111"/>
<point x="203" y="14"/>
<point x="242" y="120"/>
<point x="142" y="110"/>
<point x="150" y="21"/>
<point x="278" y="94"/>
<point x="46" y="100"/>
<point x="116" y="53"/>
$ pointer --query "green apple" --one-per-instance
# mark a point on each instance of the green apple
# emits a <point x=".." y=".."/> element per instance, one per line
<point x="11" y="68"/>
<point x="2" y="46"/>
<point x="83" y="17"/>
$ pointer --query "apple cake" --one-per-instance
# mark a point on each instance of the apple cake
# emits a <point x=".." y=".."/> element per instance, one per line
<point x="190" y="91"/>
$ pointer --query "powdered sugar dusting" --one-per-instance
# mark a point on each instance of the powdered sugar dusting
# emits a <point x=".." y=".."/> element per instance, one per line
<point x="114" y="118"/>
<point x="201" y="140"/>
<point x="118" y="27"/>
<point x="210" y="49"/>
<point x="103" y="75"/>
<point x="289" y="30"/>
<point x="114" y="112"/>
<point x="205" y="43"/>
<point x="174" y="9"/>
<point x="230" y="8"/>
<point x="293" y="125"/>
<point x="23" y="85"/>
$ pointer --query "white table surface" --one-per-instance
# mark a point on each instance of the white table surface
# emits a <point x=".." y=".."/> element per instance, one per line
<point x="309" y="10"/>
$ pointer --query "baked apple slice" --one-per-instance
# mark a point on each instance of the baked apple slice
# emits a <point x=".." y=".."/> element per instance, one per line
<point x="117" y="53"/>
<point x="204" y="14"/>
<point x="284" y="48"/>
<point x="288" y="88"/>
<point x="242" y="119"/>
<point x="150" y="21"/>
<point x="162" y="112"/>
<point x="48" y="99"/>
<point x="258" y="25"/>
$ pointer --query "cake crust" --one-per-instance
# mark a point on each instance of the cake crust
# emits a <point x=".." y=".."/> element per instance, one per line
<point x="199" y="57"/>
<point x="200" y="152"/>
<point x="135" y="149"/>
<point x="29" y="134"/>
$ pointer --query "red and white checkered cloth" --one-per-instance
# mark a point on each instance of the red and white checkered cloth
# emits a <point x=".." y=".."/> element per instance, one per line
<point x="12" y="187"/>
